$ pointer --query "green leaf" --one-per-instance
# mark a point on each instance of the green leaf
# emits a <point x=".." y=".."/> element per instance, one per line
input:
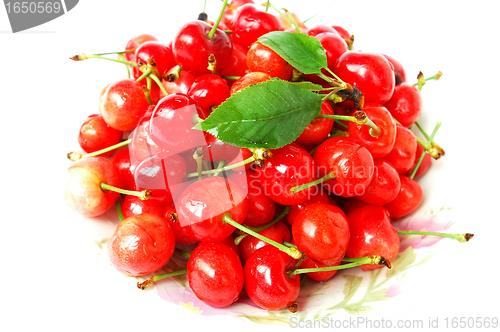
<point x="303" y="52"/>
<point x="269" y="115"/>
<point x="309" y="86"/>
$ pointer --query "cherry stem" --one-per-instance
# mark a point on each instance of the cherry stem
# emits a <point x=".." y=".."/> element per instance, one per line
<point x="422" y="130"/>
<point x="293" y="252"/>
<point x="430" y="146"/>
<point x="360" y="119"/>
<point x="143" y="285"/>
<point x="459" y="237"/>
<point x="74" y="156"/>
<point x="225" y="168"/>
<point x="216" y="24"/>
<point x="143" y="195"/>
<point x="121" y="57"/>
<point x="329" y="176"/>
<point x="119" y="209"/>
<point x="145" y="74"/>
<point x="230" y="77"/>
<point x="222" y="163"/>
<point x="263" y="227"/>
<point x="415" y="169"/>
<point x="182" y="252"/>
<point x="294" y="23"/>
<point x="421" y="81"/>
<point x="379" y="260"/>
<point x="198" y="157"/>
<point x="157" y="80"/>
<point x="83" y="56"/>
<point x="267" y="5"/>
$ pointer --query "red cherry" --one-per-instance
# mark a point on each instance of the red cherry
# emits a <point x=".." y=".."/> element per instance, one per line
<point x="122" y="161"/>
<point x="372" y="234"/>
<point x="249" y="23"/>
<point x="141" y="245"/>
<point x="245" y="154"/>
<point x="247" y="80"/>
<point x="141" y="145"/>
<point x="350" y="204"/>
<point x="83" y="191"/>
<point x="266" y="281"/>
<point x="197" y="53"/>
<point x="334" y="46"/>
<point x="182" y="234"/>
<point x="404" y="151"/>
<point x="176" y="80"/>
<point x="321" y="232"/>
<point x="261" y="209"/>
<point x="209" y="91"/>
<point x="408" y="199"/>
<point x="399" y="71"/>
<point x="290" y="166"/>
<point x="424" y="165"/>
<point x="202" y="205"/>
<point x="384" y="186"/>
<point x="379" y="145"/>
<point x="261" y="58"/>
<point x="405" y="104"/>
<point x="134" y="43"/>
<point x="230" y="10"/>
<point x="154" y="52"/>
<point x="217" y="150"/>
<point x="124" y="104"/>
<point x="319" y="129"/>
<point x="172" y="121"/>
<point x="162" y="174"/>
<point x="133" y="206"/>
<point x="310" y="263"/>
<point x="371" y="73"/>
<point x="215" y="274"/>
<point x="95" y="134"/>
<point x="351" y="163"/>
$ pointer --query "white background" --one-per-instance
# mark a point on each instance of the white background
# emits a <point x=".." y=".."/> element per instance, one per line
<point x="50" y="274"/>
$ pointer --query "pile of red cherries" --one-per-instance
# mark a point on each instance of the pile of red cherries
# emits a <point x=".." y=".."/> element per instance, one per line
<point x="252" y="220"/>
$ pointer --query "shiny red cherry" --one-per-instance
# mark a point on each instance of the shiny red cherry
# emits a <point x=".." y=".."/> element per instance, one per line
<point x="371" y="73"/>
<point x="95" y="134"/>
<point x="182" y="234"/>
<point x="290" y="166"/>
<point x="321" y="231"/>
<point x="266" y="281"/>
<point x="408" y="199"/>
<point x="195" y="52"/>
<point x="404" y="151"/>
<point x="215" y="274"/>
<point x="405" y="104"/>
<point x="384" y="186"/>
<point x="261" y="58"/>
<point x="424" y="165"/>
<point x="247" y="80"/>
<point x="399" y="71"/>
<point x="378" y="144"/>
<point x="318" y="130"/>
<point x="372" y="234"/>
<point x="122" y="161"/>
<point x="132" y="206"/>
<point x="123" y="104"/>
<point x="249" y="23"/>
<point x="176" y="80"/>
<point x="141" y="245"/>
<point x="350" y="162"/>
<point x="209" y="91"/>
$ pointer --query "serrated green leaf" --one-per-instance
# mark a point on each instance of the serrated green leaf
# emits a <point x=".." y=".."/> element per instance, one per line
<point x="303" y="52"/>
<point x="269" y="115"/>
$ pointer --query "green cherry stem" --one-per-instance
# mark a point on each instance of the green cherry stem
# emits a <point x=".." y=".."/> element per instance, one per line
<point x="143" y="195"/>
<point x="74" y="156"/>
<point x="83" y="56"/>
<point x="145" y="74"/>
<point x="459" y="237"/>
<point x="329" y="176"/>
<point x="230" y="77"/>
<point x="119" y="209"/>
<point x="238" y="239"/>
<point x="222" y="163"/>
<point x="293" y="252"/>
<point x="158" y="81"/>
<point x="143" y="285"/>
<point x="216" y="24"/>
<point x="360" y="118"/>
<point x="379" y="260"/>
<point x="225" y="168"/>
<point x="182" y="253"/>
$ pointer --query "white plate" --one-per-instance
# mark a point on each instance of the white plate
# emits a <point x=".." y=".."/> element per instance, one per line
<point x="54" y="275"/>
